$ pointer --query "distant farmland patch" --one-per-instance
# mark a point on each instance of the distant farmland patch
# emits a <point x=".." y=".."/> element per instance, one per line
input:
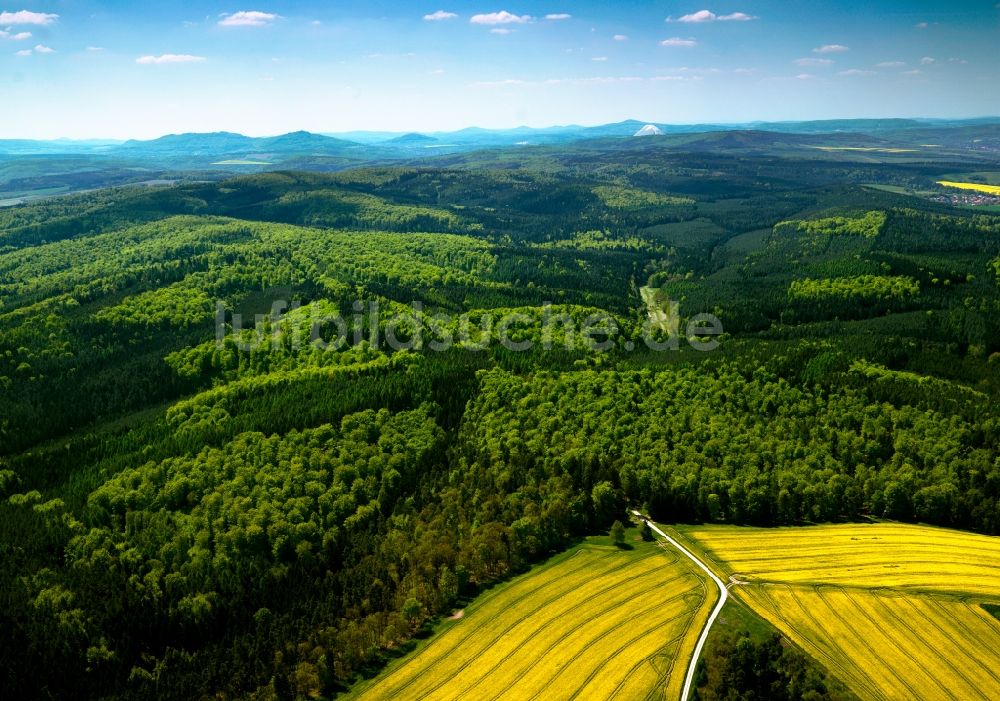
<point x="596" y="622"/>
<point x="976" y="187"/>
<point x="986" y="177"/>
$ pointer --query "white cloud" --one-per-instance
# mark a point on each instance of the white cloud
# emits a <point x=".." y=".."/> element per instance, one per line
<point x="856" y="71"/>
<point x="248" y="18"/>
<point x="926" y="61"/>
<point x="921" y="25"/>
<point x="315" y="23"/>
<point x="890" y="64"/>
<point x="599" y="58"/>
<point x="915" y="71"/>
<point x="813" y="62"/>
<point x="694" y="17"/>
<point x="620" y="37"/>
<point x="25" y="17"/>
<point x="702" y="16"/>
<point x="558" y="16"/>
<point x="960" y="61"/>
<point x="20" y="36"/>
<point x="830" y="49"/>
<point x="502" y="17"/>
<point x="502" y="31"/>
<point x="39" y="49"/>
<point x="677" y="41"/>
<point x="169" y="58"/>
<point x="439" y="16"/>
<point x="804" y="76"/>
<point x="95" y="49"/>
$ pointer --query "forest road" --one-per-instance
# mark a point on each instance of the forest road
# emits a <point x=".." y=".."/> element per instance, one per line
<point x="723" y="595"/>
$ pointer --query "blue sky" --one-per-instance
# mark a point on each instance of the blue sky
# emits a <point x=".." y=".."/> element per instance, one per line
<point x="86" y="68"/>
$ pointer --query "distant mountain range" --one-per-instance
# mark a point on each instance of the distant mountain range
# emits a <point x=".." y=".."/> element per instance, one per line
<point x="389" y="144"/>
<point x="31" y="169"/>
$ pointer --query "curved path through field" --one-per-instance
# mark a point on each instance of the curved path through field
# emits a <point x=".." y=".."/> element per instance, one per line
<point x="723" y="595"/>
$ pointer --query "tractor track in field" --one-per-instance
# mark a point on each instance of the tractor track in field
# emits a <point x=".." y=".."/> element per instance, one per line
<point x="550" y="598"/>
<point x="960" y="645"/>
<point x="582" y="624"/>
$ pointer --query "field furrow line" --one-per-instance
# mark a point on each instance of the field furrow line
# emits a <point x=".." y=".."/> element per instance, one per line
<point x="949" y="633"/>
<point x="823" y="641"/>
<point x="529" y="614"/>
<point x="661" y="677"/>
<point x="586" y="621"/>
<point x="970" y="631"/>
<point x="902" y="632"/>
<point x="637" y="615"/>
<point x="938" y="651"/>
<point x="864" y="642"/>
<point x="565" y="581"/>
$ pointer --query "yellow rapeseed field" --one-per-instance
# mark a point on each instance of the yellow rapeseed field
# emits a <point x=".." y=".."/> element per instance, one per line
<point x="893" y="610"/>
<point x="901" y="556"/>
<point x="597" y="622"/>
<point x="978" y="187"/>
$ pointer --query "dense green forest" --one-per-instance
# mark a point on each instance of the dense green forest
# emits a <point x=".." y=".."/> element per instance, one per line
<point x="217" y="477"/>
<point x="740" y="668"/>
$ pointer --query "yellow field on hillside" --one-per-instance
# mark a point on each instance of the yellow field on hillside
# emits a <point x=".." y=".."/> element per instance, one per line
<point x="901" y="556"/>
<point x="978" y="187"/>
<point x="888" y="645"/>
<point x="596" y="622"/>
<point x="893" y="610"/>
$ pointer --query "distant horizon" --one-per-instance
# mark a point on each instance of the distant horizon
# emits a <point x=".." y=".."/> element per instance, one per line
<point x="562" y="125"/>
